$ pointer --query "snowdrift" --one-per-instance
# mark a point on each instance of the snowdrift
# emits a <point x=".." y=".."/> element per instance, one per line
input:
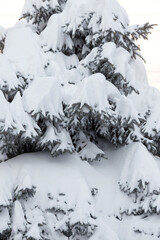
<point x="61" y="197"/>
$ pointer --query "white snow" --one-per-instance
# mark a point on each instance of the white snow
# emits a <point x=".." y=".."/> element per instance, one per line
<point x="3" y="107"/>
<point x="95" y="92"/>
<point x="117" y="56"/>
<point x="18" y="218"/>
<point x="61" y="39"/>
<point x="49" y="136"/>
<point x="8" y="78"/>
<point x="23" y="50"/>
<point x="100" y="18"/>
<point x="100" y="198"/>
<point x="43" y="96"/>
<point x="22" y="120"/>
<point x="72" y="181"/>
<point x="4" y="219"/>
<point x="13" y="116"/>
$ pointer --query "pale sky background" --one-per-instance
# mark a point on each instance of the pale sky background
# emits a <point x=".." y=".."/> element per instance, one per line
<point x="139" y="11"/>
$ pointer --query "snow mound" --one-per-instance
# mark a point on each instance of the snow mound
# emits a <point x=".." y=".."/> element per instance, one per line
<point x="23" y="50"/>
<point x="95" y="91"/>
<point x="8" y="78"/>
<point x="33" y="207"/>
<point x="47" y="100"/>
<point x="146" y="174"/>
<point x="55" y="199"/>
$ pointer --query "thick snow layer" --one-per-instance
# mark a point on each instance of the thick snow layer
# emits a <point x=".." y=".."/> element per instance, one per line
<point x="23" y="50"/>
<point x="60" y="38"/>
<point x="43" y="96"/>
<point x="67" y="62"/>
<point x="65" y="181"/>
<point x="97" y="16"/>
<point x="23" y="121"/>
<point x="49" y="136"/>
<point x="40" y="194"/>
<point x="65" y="72"/>
<point x="29" y="5"/>
<point x="8" y="78"/>
<point x="147" y="168"/>
<point x="95" y="91"/>
<point x="13" y="116"/>
<point x="117" y="56"/>
<point x="18" y="218"/>
<point x="4" y="107"/>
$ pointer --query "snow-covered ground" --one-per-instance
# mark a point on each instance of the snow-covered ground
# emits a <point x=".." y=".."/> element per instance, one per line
<point x="65" y="188"/>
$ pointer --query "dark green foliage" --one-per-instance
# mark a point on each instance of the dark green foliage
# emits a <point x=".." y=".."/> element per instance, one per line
<point x="2" y="42"/>
<point x="25" y="194"/>
<point x="14" y="145"/>
<point x="40" y="15"/>
<point x="94" y="191"/>
<point x="79" y="230"/>
<point x="141" y="31"/>
<point x="115" y="129"/>
<point x="108" y="70"/>
<point x="5" y="235"/>
<point x="127" y="40"/>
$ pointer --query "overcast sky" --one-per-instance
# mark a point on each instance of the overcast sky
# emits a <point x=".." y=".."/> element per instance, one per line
<point x="139" y="11"/>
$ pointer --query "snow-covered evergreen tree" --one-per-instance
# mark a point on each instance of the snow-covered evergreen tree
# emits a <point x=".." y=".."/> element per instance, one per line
<point x="72" y="82"/>
<point x="96" y="50"/>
